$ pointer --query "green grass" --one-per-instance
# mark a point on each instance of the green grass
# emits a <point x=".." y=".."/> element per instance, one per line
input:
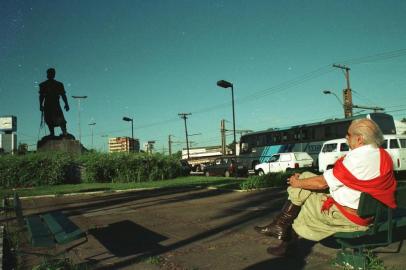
<point x="180" y="182"/>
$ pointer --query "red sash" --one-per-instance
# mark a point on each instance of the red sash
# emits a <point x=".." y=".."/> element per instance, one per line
<point x="354" y="218"/>
<point x="381" y="188"/>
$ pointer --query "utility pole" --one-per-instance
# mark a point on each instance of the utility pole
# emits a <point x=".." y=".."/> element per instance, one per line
<point x="170" y="144"/>
<point x="223" y="136"/>
<point x="347" y="93"/>
<point x="91" y="128"/>
<point x="79" y="98"/>
<point x="184" y="117"/>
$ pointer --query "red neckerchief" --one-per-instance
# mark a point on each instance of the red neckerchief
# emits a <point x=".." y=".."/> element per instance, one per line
<point x="381" y="188"/>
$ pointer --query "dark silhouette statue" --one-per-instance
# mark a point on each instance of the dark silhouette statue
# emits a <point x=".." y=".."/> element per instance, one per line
<point x="49" y="93"/>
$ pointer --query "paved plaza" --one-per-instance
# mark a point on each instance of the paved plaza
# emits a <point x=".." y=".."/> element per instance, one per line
<point x="182" y="229"/>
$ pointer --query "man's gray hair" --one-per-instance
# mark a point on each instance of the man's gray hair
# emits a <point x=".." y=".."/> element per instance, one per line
<point x="369" y="130"/>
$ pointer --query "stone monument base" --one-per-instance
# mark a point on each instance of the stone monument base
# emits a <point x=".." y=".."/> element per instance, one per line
<point x="66" y="144"/>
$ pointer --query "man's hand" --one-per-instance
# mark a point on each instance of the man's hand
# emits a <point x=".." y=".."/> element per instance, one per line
<point x="41" y="108"/>
<point x="294" y="181"/>
<point x="67" y="107"/>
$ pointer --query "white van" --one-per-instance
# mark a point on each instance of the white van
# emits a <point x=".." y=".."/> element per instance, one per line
<point x="282" y="162"/>
<point x="332" y="150"/>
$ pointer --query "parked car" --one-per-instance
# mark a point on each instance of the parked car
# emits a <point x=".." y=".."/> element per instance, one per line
<point x="185" y="167"/>
<point x="395" y="145"/>
<point x="226" y="166"/>
<point x="282" y="162"/>
<point x="330" y="152"/>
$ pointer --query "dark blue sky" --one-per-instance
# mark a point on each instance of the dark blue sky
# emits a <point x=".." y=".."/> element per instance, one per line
<point x="151" y="60"/>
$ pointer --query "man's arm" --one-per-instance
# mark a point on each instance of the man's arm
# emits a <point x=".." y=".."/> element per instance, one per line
<point x="41" y="100"/>
<point x="63" y="95"/>
<point x="312" y="183"/>
<point x="66" y="101"/>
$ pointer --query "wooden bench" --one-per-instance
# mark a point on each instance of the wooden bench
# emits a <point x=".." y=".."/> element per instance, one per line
<point x="389" y="226"/>
<point x="48" y="229"/>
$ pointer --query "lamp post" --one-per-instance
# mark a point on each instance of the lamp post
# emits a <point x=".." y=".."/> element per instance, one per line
<point x="375" y="109"/>
<point x="328" y="92"/>
<point x="91" y="128"/>
<point x="104" y="143"/>
<point x="128" y="119"/>
<point x="226" y="84"/>
<point x="184" y="117"/>
<point x="79" y="98"/>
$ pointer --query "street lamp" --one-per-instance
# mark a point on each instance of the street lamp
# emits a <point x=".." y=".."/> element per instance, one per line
<point x="226" y="84"/>
<point x="91" y="128"/>
<point x="328" y="92"/>
<point x="79" y="98"/>
<point x="128" y="119"/>
<point x="375" y="109"/>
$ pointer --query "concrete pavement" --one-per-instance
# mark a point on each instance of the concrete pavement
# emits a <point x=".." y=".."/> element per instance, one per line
<point x="182" y="229"/>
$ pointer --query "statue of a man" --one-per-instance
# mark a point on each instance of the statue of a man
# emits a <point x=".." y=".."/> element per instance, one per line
<point x="49" y="93"/>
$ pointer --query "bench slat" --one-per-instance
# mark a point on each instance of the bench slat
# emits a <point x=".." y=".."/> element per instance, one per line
<point x="401" y="197"/>
<point x="39" y="234"/>
<point x="63" y="229"/>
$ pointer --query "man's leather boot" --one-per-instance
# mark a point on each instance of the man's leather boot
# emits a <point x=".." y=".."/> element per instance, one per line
<point x="281" y="225"/>
<point x="285" y="247"/>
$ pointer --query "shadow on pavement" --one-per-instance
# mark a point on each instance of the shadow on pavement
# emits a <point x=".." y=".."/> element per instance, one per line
<point x="125" y="238"/>
<point x="247" y="217"/>
<point x="295" y="261"/>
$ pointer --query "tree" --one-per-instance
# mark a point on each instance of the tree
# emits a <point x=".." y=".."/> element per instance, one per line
<point x="22" y="149"/>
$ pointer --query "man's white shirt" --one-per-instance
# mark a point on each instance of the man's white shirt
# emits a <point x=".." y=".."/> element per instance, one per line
<point x="363" y="163"/>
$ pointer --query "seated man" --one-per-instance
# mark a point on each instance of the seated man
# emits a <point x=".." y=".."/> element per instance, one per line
<point x="315" y="215"/>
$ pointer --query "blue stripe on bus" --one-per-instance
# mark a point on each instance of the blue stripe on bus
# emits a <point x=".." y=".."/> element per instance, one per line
<point x="268" y="151"/>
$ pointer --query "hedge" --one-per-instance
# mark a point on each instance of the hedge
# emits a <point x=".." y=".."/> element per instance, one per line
<point x="59" y="168"/>
<point x="271" y="179"/>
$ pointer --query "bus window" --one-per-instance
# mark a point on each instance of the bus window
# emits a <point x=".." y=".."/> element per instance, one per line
<point x="269" y="139"/>
<point x="278" y="138"/>
<point x="328" y="132"/>
<point x="261" y="140"/>
<point x="244" y="148"/>
<point x="394" y="144"/>
<point x="318" y="133"/>
<point x="402" y="143"/>
<point x="385" y="122"/>
<point x="385" y="144"/>
<point x="284" y="136"/>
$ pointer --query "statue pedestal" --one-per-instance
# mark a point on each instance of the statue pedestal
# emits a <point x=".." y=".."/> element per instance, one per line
<point x="66" y="144"/>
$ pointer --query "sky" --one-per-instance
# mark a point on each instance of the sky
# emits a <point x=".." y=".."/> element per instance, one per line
<point x="152" y="59"/>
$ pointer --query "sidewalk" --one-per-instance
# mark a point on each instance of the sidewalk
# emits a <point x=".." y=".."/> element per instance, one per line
<point x="198" y="229"/>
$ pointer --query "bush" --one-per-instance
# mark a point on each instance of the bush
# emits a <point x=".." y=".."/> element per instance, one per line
<point x="269" y="180"/>
<point x="266" y="180"/>
<point x="60" y="168"/>
<point x="35" y="169"/>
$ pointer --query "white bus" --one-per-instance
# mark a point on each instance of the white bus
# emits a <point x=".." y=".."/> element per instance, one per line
<point x="258" y="147"/>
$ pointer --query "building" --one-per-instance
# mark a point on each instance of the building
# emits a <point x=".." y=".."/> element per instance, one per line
<point x="123" y="144"/>
<point x="8" y="139"/>
<point x="8" y="143"/>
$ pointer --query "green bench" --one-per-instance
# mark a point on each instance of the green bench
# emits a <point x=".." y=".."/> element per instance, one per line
<point x="48" y="229"/>
<point x="389" y="226"/>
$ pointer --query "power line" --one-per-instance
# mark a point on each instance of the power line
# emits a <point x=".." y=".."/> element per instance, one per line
<point x="376" y="57"/>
